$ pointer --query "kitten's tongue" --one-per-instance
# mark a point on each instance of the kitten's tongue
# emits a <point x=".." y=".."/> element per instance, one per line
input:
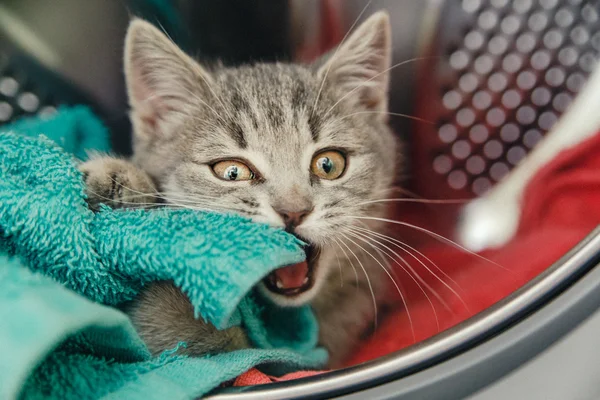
<point x="292" y="276"/>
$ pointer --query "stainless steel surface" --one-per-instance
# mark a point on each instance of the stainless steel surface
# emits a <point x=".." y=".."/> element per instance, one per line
<point x="443" y="345"/>
<point x="545" y="376"/>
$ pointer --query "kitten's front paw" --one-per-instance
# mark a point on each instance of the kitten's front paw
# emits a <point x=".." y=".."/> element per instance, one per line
<point x="164" y="317"/>
<point x="116" y="183"/>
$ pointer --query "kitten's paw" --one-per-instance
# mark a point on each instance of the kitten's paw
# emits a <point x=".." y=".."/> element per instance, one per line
<point x="489" y="222"/>
<point x="116" y="183"/>
<point x="164" y="317"/>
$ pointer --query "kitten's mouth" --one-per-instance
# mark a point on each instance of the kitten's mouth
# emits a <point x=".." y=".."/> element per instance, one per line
<point x="295" y="279"/>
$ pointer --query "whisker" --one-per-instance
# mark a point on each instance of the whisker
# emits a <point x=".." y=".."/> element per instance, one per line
<point x="429" y="270"/>
<point x="412" y="275"/>
<point x="409" y="200"/>
<point x="137" y="196"/>
<point x="397" y="288"/>
<point x="350" y="261"/>
<point x="205" y="202"/>
<point x="190" y="197"/>
<point x="140" y="205"/>
<point x="142" y="194"/>
<point x="435" y="236"/>
<point x="195" y="200"/>
<point x="208" y="208"/>
<point x="401" y="244"/>
<point x="162" y="28"/>
<point x="191" y="201"/>
<point x="375" y="77"/>
<point x="330" y="62"/>
<point x="219" y="99"/>
<point x="382" y="255"/>
<point x="198" y="206"/>
<point x="368" y="282"/>
<point x="202" y="76"/>
<point x="197" y="98"/>
<point x="402" y="191"/>
<point x="340" y="268"/>
<point x="412" y="117"/>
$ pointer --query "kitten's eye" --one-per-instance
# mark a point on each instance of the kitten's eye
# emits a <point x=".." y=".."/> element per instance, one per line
<point x="329" y="164"/>
<point x="232" y="171"/>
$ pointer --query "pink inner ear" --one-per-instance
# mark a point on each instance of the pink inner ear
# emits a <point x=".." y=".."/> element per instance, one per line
<point x="146" y="103"/>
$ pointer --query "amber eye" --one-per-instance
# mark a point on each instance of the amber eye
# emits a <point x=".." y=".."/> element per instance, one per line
<point x="231" y="170"/>
<point x="329" y="164"/>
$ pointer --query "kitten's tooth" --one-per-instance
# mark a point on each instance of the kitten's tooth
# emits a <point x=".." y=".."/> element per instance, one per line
<point x="305" y="281"/>
<point x="279" y="284"/>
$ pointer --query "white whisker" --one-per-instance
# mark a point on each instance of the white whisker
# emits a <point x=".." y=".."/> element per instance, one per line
<point x="350" y="261"/>
<point x="396" y="285"/>
<point x="390" y="113"/>
<point x="337" y="257"/>
<point x="368" y="282"/>
<point x="375" y="77"/>
<point x="196" y="204"/>
<point x="412" y="275"/>
<point x="398" y="245"/>
<point x="409" y="200"/>
<point x="335" y="55"/>
<point x="401" y="244"/>
<point x="435" y="236"/>
<point x="136" y="204"/>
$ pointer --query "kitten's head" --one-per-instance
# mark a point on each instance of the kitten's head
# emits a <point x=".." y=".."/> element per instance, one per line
<point x="302" y="147"/>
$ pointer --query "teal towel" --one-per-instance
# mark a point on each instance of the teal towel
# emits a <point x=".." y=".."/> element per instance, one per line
<point x="64" y="266"/>
<point x="75" y="129"/>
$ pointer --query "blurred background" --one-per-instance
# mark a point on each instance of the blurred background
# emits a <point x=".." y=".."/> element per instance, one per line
<point x="490" y="76"/>
<point x="81" y="43"/>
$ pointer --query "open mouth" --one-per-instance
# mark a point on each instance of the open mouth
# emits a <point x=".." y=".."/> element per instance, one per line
<point x="293" y="280"/>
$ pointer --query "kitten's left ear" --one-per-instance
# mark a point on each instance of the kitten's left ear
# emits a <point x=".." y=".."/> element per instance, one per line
<point x="161" y="79"/>
<point x="359" y="66"/>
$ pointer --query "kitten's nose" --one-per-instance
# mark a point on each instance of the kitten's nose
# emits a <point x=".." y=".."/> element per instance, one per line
<point x="292" y="219"/>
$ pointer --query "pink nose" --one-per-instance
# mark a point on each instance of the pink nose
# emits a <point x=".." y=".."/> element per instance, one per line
<point x="292" y="219"/>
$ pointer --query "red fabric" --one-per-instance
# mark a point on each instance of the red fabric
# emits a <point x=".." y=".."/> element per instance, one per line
<point x="255" y="377"/>
<point x="561" y="206"/>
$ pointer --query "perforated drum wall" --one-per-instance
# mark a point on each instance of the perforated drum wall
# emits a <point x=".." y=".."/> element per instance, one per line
<point x="501" y="74"/>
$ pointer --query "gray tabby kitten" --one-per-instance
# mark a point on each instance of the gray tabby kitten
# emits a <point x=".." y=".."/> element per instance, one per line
<point x="302" y="147"/>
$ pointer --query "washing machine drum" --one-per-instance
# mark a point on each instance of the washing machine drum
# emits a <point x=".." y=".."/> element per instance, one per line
<point x="495" y="76"/>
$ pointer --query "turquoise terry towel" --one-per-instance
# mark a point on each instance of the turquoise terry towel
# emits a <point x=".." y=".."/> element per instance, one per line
<point x="58" y="341"/>
<point x="76" y="129"/>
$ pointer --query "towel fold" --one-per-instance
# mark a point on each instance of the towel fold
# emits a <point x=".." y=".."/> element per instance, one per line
<point x="65" y="265"/>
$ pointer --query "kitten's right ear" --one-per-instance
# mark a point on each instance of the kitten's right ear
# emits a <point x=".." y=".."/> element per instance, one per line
<point x="161" y="78"/>
<point x="360" y="66"/>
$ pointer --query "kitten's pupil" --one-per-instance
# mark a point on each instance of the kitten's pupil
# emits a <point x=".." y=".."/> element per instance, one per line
<point x="231" y="173"/>
<point x="326" y="164"/>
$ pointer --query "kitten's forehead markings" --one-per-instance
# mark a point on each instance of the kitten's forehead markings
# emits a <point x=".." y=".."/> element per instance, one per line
<point x="237" y="133"/>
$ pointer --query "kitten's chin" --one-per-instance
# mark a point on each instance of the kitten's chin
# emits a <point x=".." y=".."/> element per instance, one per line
<point x="295" y="285"/>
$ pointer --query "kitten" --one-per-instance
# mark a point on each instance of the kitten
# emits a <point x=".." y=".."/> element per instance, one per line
<point x="303" y="147"/>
